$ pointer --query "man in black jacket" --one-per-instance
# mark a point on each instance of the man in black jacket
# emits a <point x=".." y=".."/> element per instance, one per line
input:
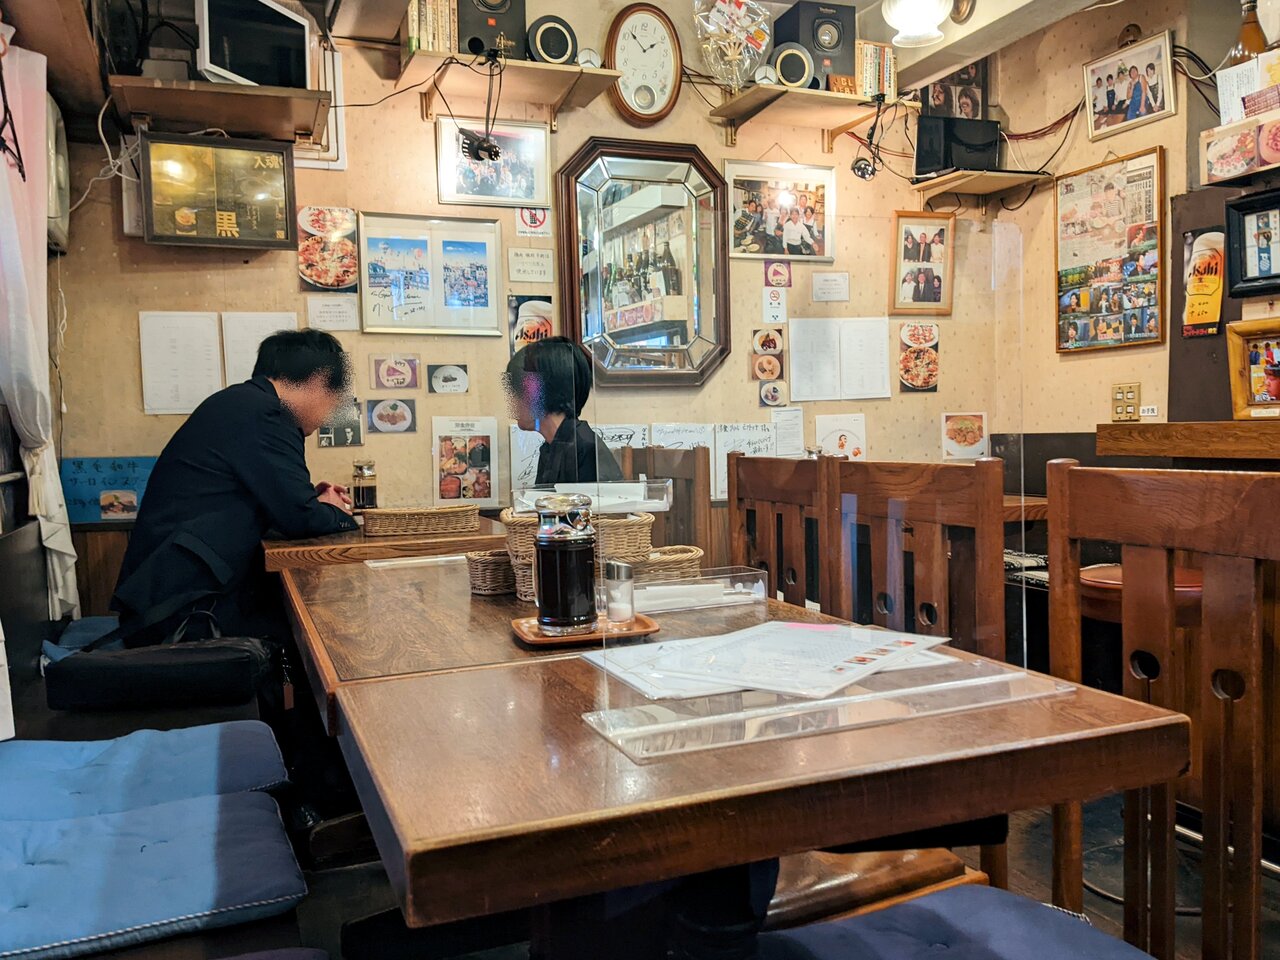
<point x="233" y="471"/>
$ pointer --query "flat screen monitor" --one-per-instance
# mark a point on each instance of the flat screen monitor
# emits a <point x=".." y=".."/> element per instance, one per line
<point x="253" y="42"/>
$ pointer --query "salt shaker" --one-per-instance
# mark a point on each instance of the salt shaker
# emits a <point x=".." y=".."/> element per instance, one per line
<point x="620" y="589"/>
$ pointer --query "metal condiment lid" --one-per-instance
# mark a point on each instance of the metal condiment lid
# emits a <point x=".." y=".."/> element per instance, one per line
<point x="562" y="503"/>
<point x="618" y="570"/>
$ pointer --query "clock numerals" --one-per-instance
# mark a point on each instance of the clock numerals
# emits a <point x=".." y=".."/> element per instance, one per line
<point x="644" y="49"/>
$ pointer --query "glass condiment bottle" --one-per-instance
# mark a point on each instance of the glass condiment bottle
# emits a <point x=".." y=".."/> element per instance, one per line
<point x="620" y="593"/>
<point x="364" y="485"/>
<point x="1251" y="41"/>
<point x="564" y="565"/>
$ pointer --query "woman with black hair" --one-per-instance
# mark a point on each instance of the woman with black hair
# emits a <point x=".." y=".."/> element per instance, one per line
<point x="548" y="383"/>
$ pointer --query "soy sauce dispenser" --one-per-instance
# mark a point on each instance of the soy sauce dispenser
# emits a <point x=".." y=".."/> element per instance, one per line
<point x="564" y="565"/>
<point x="364" y="485"/>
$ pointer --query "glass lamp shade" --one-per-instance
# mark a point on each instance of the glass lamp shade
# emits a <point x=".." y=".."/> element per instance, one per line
<point x="916" y="21"/>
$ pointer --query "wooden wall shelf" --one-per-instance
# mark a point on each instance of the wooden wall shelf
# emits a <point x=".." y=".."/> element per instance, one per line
<point x="833" y="113"/>
<point x="184" y="106"/>
<point x="1223" y="440"/>
<point x="978" y="183"/>
<point x="59" y="29"/>
<point x="523" y="81"/>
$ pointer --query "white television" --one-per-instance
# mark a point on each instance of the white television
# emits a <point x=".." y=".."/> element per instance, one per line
<point x="253" y="42"/>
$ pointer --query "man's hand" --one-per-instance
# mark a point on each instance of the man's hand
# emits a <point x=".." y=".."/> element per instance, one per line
<point x="335" y="495"/>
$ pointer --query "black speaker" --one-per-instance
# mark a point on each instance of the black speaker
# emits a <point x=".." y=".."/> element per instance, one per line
<point x="551" y="40"/>
<point x="827" y="31"/>
<point x="952" y="143"/>
<point x="492" y="25"/>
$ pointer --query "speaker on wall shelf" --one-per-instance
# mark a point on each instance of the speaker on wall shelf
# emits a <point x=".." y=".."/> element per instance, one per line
<point x="492" y="25"/>
<point x="551" y="40"/>
<point x="794" y="65"/>
<point x="827" y="31"/>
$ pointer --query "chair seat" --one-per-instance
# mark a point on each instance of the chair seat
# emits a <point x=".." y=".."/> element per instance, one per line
<point x="815" y="885"/>
<point x="85" y="885"/>
<point x="1101" y="587"/>
<point x="60" y="779"/>
<point x="961" y="923"/>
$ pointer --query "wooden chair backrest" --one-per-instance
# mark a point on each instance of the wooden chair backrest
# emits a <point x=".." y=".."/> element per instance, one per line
<point x="688" y="522"/>
<point x="1228" y="518"/>
<point x="777" y="512"/>
<point x="949" y="517"/>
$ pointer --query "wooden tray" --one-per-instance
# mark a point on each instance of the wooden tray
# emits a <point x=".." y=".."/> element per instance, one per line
<point x="526" y="631"/>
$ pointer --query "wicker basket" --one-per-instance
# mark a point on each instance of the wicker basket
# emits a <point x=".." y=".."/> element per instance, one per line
<point x="669" y="563"/>
<point x="490" y="572"/>
<point x="617" y="538"/>
<point x="523" y="571"/>
<point x="462" y="518"/>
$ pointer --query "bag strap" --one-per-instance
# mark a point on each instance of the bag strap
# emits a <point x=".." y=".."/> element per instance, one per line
<point x="214" y="631"/>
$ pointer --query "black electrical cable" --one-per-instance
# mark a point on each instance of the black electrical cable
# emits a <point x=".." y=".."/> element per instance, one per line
<point x="177" y="31"/>
<point x="448" y="61"/>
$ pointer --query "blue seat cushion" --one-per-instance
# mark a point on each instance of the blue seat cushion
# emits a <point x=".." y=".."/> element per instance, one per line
<point x="72" y="887"/>
<point x="288" y="953"/>
<point x="79" y="634"/>
<point x="60" y="779"/>
<point x="963" y="923"/>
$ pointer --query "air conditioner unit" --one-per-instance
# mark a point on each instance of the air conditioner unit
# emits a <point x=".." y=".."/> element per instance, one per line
<point x="59" y="177"/>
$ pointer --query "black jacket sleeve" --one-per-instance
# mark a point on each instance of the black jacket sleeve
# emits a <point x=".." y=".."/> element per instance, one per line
<point x="275" y="469"/>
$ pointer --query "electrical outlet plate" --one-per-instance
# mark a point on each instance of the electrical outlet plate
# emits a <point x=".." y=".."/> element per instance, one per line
<point x="1126" y="398"/>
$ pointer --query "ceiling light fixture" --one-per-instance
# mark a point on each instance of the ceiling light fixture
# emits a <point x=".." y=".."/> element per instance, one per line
<point x="916" y="21"/>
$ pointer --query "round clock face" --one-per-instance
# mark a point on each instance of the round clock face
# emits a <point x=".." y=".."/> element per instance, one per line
<point x="645" y="49"/>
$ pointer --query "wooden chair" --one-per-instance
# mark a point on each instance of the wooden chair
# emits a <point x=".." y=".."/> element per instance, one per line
<point x="1228" y="519"/>
<point x="949" y="518"/>
<point x="688" y="522"/>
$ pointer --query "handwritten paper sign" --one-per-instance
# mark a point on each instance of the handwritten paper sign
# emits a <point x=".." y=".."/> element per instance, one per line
<point x="619" y="435"/>
<point x="683" y="436"/>
<point x="527" y="265"/>
<point x="100" y="489"/>
<point x="524" y="457"/>
<point x="752" y="439"/>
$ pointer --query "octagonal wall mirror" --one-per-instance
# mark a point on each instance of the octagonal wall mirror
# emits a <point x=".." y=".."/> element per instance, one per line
<point x="644" y="281"/>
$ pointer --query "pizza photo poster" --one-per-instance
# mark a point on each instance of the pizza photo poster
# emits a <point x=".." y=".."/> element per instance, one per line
<point x="328" y="260"/>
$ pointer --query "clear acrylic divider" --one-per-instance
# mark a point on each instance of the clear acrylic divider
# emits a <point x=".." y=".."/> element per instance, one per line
<point x="875" y="560"/>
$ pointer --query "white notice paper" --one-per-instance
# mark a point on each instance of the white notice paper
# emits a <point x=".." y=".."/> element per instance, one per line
<point x="830" y="287"/>
<point x="774" y="310"/>
<point x="1234" y="84"/>
<point x="525" y="445"/>
<point x="333" y="312"/>
<point x="6" y="697"/>
<point x="839" y="359"/>
<point x="842" y="435"/>
<point x="181" y="360"/>
<point x="683" y="436"/>
<point x="751" y="439"/>
<point x="242" y="333"/>
<point x="788" y="426"/>
<point x="533" y="222"/>
<point x="619" y="435"/>
<point x="527" y="265"/>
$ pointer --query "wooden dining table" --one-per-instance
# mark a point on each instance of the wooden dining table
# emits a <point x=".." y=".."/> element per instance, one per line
<point x="1025" y="508"/>
<point x="355" y="546"/>
<point x="486" y="791"/>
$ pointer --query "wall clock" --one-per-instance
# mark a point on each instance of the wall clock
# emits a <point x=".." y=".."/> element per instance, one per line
<point x="643" y="45"/>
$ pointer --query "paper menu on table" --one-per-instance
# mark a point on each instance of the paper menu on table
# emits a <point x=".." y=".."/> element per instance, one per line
<point x="801" y="659"/>
<point x="751" y="439"/>
<point x="242" y="334"/>
<point x="181" y="360"/>
<point x="839" y="358"/>
<point x="788" y="425"/>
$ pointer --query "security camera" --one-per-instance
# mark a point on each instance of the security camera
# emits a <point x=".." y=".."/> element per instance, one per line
<point x="476" y="146"/>
<point x="864" y="168"/>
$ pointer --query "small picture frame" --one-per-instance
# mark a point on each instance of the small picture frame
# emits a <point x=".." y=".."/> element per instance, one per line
<point x="1253" y="244"/>
<point x="1253" y="357"/>
<point x="923" y="259"/>
<point x="781" y="211"/>
<point x="520" y="177"/>
<point x="1130" y="87"/>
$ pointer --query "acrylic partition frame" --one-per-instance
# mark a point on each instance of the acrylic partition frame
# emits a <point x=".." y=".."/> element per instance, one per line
<point x="941" y="393"/>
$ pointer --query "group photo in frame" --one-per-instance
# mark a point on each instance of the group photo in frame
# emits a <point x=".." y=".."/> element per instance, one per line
<point x="922" y="283"/>
<point x="430" y="275"/>
<point x="1253" y="357"/>
<point x="1130" y="86"/>
<point x="520" y="177"/>
<point x="1253" y="244"/>
<point x="781" y="211"/>
<point x="1109" y="254"/>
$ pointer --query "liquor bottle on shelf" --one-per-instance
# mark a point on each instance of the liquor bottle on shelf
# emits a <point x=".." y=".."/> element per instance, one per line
<point x="670" y="271"/>
<point x="1251" y="41"/>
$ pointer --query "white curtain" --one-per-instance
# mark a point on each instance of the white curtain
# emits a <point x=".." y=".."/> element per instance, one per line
<point x="24" y="322"/>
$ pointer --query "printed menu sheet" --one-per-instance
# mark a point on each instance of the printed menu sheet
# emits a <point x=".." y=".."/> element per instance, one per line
<point x="802" y="659"/>
<point x="860" y="349"/>
<point x="181" y="360"/>
<point x="242" y="334"/>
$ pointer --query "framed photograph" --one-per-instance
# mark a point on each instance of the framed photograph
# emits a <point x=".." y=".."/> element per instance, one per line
<point x="922" y="282"/>
<point x="1253" y="244"/>
<point x="429" y="275"/>
<point x="1253" y="356"/>
<point x="344" y="429"/>
<point x="960" y="94"/>
<point x="520" y="177"/>
<point x="217" y="192"/>
<point x="1110" y="254"/>
<point x="781" y="211"/>
<point x="1129" y="87"/>
<point x="465" y="451"/>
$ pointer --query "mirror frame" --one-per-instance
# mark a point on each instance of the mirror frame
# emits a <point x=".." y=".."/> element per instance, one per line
<point x="570" y="266"/>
